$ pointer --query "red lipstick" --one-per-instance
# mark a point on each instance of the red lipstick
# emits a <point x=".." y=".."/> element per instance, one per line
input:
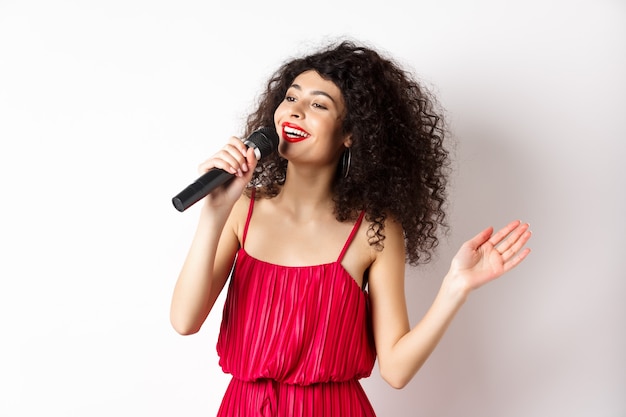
<point x="293" y="133"/>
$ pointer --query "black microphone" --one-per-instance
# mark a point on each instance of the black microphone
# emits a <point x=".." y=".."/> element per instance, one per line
<point x="264" y="141"/>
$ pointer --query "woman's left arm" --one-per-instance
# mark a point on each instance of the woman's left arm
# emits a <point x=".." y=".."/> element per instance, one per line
<point x="402" y="350"/>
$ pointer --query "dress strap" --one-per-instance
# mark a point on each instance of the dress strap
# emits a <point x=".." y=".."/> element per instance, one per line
<point x="352" y="233"/>
<point x="245" y="228"/>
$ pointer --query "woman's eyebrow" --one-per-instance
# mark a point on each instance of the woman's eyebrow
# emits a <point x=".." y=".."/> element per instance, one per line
<point x="314" y="92"/>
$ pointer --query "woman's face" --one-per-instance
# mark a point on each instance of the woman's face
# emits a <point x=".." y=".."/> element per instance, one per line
<point x="309" y="120"/>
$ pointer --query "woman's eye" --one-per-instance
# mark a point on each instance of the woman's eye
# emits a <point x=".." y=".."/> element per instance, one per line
<point x="289" y="98"/>
<point x="319" y="106"/>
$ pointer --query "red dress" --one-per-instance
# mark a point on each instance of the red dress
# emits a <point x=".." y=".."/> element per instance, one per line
<point x="296" y="340"/>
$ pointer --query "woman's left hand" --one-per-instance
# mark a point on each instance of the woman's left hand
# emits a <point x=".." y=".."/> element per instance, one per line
<point x="487" y="256"/>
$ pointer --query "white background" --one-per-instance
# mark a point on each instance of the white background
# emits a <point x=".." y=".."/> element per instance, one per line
<point x="107" y="108"/>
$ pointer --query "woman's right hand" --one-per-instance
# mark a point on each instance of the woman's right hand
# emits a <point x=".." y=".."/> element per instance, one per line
<point x="235" y="158"/>
<point x="215" y="243"/>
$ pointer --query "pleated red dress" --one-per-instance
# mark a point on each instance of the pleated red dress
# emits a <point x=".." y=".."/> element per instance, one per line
<point x="296" y="340"/>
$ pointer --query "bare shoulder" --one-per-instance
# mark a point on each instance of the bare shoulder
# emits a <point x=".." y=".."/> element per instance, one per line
<point x="238" y="215"/>
<point x="381" y="260"/>
<point x="390" y="260"/>
<point x="393" y="240"/>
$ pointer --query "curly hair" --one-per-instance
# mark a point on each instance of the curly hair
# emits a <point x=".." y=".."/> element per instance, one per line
<point x="399" y="164"/>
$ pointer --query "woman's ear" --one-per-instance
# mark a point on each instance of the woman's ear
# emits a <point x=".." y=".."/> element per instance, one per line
<point x="347" y="141"/>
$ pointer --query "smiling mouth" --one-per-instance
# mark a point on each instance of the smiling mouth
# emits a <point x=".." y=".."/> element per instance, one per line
<point x="292" y="133"/>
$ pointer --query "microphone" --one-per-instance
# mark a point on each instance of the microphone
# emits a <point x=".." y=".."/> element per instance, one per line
<point x="264" y="141"/>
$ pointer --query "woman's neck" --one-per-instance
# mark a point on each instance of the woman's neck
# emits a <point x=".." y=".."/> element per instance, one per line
<point x="307" y="192"/>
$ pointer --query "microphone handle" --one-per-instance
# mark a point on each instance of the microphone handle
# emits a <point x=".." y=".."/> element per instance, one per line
<point x="200" y="188"/>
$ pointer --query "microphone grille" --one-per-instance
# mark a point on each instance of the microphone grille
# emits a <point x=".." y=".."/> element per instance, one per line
<point x="265" y="140"/>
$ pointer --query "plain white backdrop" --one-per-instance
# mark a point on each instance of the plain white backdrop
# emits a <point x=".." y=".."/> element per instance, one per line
<point x="107" y="108"/>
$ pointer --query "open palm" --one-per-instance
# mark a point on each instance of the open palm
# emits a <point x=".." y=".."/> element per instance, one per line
<point x="487" y="256"/>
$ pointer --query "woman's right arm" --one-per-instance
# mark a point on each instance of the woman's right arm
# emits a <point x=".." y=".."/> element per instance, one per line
<point x="215" y="242"/>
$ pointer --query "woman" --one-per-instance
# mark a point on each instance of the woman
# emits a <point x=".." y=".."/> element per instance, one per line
<point x="317" y="237"/>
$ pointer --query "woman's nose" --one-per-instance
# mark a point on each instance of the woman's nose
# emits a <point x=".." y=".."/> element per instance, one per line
<point x="296" y="111"/>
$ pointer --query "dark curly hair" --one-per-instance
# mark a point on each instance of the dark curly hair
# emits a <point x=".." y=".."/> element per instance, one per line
<point x="399" y="164"/>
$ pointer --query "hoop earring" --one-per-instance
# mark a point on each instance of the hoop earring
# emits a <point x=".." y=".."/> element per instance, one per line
<point x="346" y="159"/>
